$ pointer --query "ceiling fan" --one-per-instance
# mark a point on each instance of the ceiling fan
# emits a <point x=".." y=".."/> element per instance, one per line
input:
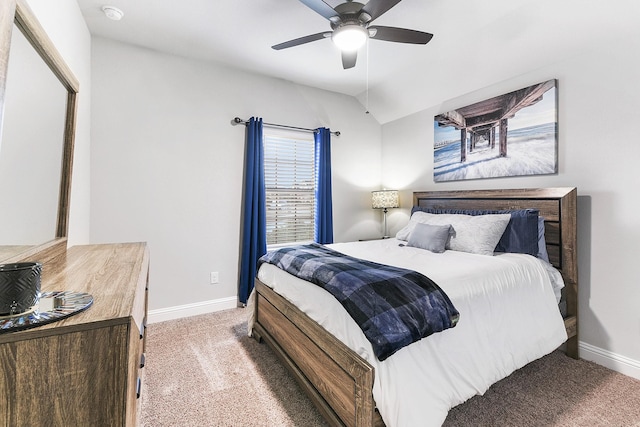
<point x="350" y="24"/>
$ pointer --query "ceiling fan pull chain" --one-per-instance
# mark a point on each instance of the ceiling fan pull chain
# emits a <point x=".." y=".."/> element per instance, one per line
<point x="367" y="99"/>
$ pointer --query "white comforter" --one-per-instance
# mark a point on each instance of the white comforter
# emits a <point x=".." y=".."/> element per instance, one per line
<point x="508" y="318"/>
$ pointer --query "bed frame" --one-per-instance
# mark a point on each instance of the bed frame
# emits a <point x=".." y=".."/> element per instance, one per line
<point x="338" y="380"/>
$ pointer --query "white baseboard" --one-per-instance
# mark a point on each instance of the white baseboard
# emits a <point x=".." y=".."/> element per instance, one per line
<point x="187" y="310"/>
<point x="608" y="359"/>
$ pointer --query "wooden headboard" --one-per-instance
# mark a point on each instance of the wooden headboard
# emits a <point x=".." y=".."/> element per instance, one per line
<point x="558" y="207"/>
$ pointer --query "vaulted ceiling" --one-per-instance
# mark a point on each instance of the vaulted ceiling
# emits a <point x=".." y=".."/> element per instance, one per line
<point x="476" y="42"/>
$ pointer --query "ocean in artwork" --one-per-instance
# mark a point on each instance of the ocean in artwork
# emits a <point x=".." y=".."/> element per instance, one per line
<point x="530" y="151"/>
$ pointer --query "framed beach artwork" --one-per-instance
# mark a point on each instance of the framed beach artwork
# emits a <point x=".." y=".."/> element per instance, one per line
<point x="514" y="134"/>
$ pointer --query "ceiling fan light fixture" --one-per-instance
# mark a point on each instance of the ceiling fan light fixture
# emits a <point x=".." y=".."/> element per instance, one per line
<point x="350" y="38"/>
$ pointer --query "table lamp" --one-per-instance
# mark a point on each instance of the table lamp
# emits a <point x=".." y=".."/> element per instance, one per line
<point x="385" y="199"/>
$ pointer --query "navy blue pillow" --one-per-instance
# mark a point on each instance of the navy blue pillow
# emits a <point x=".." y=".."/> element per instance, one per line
<point x="520" y="236"/>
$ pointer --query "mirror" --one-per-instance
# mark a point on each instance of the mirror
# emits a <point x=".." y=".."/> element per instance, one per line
<point x="30" y="156"/>
<point x="38" y="96"/>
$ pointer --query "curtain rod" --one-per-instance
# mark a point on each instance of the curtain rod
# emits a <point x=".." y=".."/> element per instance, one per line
<point x="238" y="120"/>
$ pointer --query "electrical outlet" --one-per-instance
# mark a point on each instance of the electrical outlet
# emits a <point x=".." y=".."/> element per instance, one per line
<point x="214" y="277"/>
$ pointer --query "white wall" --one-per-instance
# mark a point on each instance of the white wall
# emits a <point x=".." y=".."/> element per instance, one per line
<point x="167" y="165"/>
<point x="599" y="108"/>
<point x="68" y="31"/>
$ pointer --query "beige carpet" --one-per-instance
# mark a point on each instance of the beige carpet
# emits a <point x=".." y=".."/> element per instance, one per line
<point x="205" y="371"/>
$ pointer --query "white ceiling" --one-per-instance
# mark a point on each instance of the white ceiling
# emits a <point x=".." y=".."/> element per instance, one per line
<point x="510" y="37"/>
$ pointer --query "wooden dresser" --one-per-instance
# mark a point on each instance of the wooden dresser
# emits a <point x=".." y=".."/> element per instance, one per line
<point x="87" y="369"/>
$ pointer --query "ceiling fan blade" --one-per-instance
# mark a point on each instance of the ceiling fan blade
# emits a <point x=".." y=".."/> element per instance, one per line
<point x="349" y="59"/>
<point x="399" y="35"/>
<point x="301" y="40"/>
<point x="375" y="8"/>
<point x="320" y="7"/>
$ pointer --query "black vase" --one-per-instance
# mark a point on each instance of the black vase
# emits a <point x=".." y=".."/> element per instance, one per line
<point x="19" y="287"/>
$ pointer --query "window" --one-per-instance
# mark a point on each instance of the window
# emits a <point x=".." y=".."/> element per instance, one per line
<point x="289" y="172"/>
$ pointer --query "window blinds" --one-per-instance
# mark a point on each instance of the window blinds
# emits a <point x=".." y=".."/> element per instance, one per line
<point x="289" y="169"/>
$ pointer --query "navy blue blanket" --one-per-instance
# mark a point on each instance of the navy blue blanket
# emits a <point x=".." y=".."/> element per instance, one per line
<point x="393" y="306"/>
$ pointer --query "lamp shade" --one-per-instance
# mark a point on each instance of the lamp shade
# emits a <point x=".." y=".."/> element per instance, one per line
<point x="384" y="199"/>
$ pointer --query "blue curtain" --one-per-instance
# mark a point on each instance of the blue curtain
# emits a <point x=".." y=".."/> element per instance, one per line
<point x="324" y="216"/>
<point x="254" y="224"/>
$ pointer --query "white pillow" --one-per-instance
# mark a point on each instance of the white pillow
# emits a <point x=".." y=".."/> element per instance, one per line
<point x="477" y="234"/>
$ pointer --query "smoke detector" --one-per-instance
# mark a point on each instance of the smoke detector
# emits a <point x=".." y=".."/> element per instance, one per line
<point x="113" y="13"/>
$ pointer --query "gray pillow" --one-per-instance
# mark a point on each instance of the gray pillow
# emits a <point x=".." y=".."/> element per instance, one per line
<point x="433" y="238"/>
<point x="542" y="243"/>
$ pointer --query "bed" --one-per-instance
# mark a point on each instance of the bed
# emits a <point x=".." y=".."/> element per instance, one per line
<point x="340" y="377"/>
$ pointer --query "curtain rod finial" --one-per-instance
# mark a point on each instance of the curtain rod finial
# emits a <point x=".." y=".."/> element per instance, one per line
<point x="237" y="121"/>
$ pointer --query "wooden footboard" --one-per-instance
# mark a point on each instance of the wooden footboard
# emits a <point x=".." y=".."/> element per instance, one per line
<point x="337" y="380"/>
